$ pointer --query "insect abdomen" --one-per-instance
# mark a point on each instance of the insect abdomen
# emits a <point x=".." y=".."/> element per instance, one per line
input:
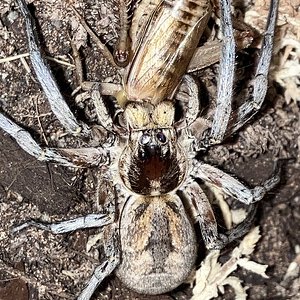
<point x="166" y="50"/>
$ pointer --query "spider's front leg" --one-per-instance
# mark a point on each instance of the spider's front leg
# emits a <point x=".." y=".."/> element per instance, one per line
<point x="85" y="157"/>
<point x="226" y="76"/>
<point x="206" y="218"/>
<point x="45" y="78"/>
<point x="259" y="85"/>
<point x="82" y="157"/>
<point x="225" y="122"/>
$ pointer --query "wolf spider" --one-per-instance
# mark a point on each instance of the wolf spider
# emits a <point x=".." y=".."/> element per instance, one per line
<point x="151" y="162"/>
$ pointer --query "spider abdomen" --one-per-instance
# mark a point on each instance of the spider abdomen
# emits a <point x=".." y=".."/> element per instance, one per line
<point x="158" y="244"/>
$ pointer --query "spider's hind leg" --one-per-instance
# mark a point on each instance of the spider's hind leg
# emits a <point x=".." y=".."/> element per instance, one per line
<point x="111" y="243"/>
<point x="231" y="186"/>
<point x="88" y="221"/>
<point x="208" y="224"/>
<point x="112" y="253"/>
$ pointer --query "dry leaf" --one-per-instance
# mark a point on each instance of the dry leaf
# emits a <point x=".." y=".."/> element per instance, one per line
<point x="211" y="277"/>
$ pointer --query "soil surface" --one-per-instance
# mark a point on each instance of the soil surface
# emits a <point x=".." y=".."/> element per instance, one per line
<point x="35" y="264"/>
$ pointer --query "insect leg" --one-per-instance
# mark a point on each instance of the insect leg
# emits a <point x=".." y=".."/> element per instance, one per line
<point x="205" y="56"/>
<point x="112" y="252"/>
<point x="96" y="40"/>
<point x="259" y="85"/>
<point x="106" y="88"/>
<point x="45" y="78"/>
<point x="209" y="53"/>
<point x="66" y="157"/>
<point x="232" y="186"/>
<point x="121" y="53"/>
<point x="103" y="115"/>
<point x="226" y="76"/>
<point x="193" y="103"/>
<point x="94" y="91"/>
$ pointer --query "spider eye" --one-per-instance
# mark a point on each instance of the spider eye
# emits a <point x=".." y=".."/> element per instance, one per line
<point x="145" y="139"/>
<point x="161" y="137"/>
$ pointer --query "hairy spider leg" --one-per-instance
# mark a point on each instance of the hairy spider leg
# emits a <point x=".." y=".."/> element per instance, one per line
<point x="88" y="221"/>
<point x="111" y="245"/>
<point x="258" y="87"/>
<point x="226" y="75"/>
<point x="45" y="78"/>
<point x="232" y="186"/>
<point x="112" y="253"/>
<point x="207" y="222"/>
<point x="81" y="157"/>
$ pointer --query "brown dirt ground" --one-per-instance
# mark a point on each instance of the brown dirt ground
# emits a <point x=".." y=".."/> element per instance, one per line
<point x="38" y="265"/>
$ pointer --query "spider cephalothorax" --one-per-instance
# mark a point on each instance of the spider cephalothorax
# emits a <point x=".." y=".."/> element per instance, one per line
<point x="152" y="162"/>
